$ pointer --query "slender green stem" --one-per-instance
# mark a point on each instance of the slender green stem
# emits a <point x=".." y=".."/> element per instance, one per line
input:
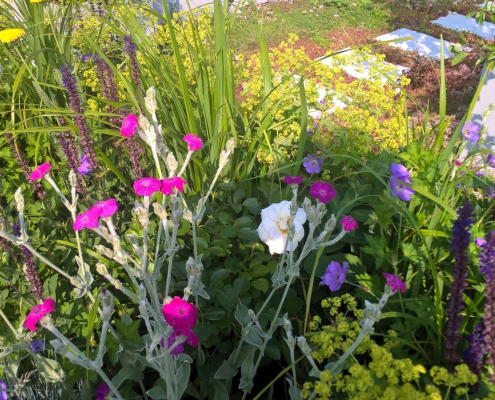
<point x="8" y="322"/>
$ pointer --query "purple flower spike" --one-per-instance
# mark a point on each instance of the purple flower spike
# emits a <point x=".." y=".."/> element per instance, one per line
<point x="473" y="355"/>
<point x="334" y="275"/>
<point x="312" y="164"/>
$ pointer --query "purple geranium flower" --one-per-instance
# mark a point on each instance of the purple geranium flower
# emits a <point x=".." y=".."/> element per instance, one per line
<point x="85" y="168"/>
<point x="490" y="159"/>
<point x="471" y="132"/>
<point x="334" y="275"/>
<point x="3" y="393"/>
<point x="86" y="57"/>
<point x="312" y="164"/>
<point x="37" y="346"/>
<point x="400" y="190"/>
<point x="399" y="171"/>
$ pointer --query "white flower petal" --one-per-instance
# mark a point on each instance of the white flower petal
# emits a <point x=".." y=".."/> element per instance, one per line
<point x="300" y="216"/>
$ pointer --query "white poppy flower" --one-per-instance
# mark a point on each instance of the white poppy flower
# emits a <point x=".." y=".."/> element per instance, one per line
<point x="274" y="227"/>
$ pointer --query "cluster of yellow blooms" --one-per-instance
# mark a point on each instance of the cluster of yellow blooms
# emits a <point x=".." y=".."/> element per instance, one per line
<point x="383" y="377"/>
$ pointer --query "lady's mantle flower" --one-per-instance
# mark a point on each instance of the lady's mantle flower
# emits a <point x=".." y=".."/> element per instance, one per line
<point x="88" y="219"/>
<point x="180" y="314"/>
<point x="37" y="346"/>
<point x="193" y="142"/>
<point x="274" y="227"/>
<point x="105" y="208"/>
<point x="395" y="282"/>
<point x="349" y="224"/>
<point x="312" y="164"/>
<point x="293" y="180"/>
<point x="3" y="388"/>
<point x="334" y="275"/>
<point x="471" y="132"/>
<point x="322" y="191"/>
<point x="479" y="241"/>
<point x="85" y="168"/>
<point x="102" y="392"/>
<point x="147" y="186"/>
<point x="399" y="176"/>
<point x="37" y="313"/>
<point x="129" y="125"/>
<point x="9" y="35"/>
<point x="39" y="172"/>
<point x="168" y="185"/>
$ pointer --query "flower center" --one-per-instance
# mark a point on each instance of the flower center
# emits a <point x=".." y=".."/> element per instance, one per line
<point x="284" y="224"/>
<point x="182" y="310"/>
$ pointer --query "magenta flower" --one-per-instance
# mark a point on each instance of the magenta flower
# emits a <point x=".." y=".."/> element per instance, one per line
<point x="312" y="164"/>
<point x="129" y="125"/>
<point x="479" y="241"/>
<point x="322" y="191"/>
<point x="85" y="168"/>
<point x="37" y="313"/>
<point x="348" y="223"/>
<point x="180" y="315"/>
<point x="179" y="349"/>
<point x="471" y="132"/>
<point x="147" y="186"/>
<point x="395" y="282"/>
<point x="39" y="172"/>
<point x="193" y="142"/>
<point x="102" y="392"/>
<point x="105" y="208"/>
<point x="334" y="275"/>
<point x="293" y="180"/>
<point x="88" y="219"/>
<point x="168" y="185"/>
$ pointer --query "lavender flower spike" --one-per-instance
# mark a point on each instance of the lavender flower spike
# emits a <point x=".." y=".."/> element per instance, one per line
<point x="79" y="120"/>
<point x="487" y="268"/>
<point x="460" y="243"/>
<point x="130" y="49"/>
<point x="473" y="355"/>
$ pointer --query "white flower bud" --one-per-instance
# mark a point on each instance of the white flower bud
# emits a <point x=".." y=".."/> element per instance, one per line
<point x="150" y="100"/>
<point x="144" y="123"/>
<point x="72" y="179"/>
<point x="160" y="211"/>
<point x="106" y="301"/>
<point x="19" y="199"/>
<point x="104" y="251"/>
<point x="172" y="163"/>
<point x="230" y="145"/>
<point x="224" y="157"/>
<point x="101" y="269"/>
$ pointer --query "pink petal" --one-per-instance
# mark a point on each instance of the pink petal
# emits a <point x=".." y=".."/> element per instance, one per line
<point x="129" y="125"/>
<point x="48" y="306"/>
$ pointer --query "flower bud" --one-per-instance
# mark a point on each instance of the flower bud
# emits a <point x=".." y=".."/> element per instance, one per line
<point x="304" y="346"/>
<point x="330" y="224"/>
<point x="101" y="269"/>
<point x="230" y="145"/>
<point x="72" y="179"/>
<point x="224" y="157"/>
<point x="172" y="163"/>
<point x="106" y="301"/>
<point x="144" y="123"/>
<point x="19" y="199"/>
<point x="104" y="251"/>
<point x="160" y="211"/>
<point x="150" y="100"/>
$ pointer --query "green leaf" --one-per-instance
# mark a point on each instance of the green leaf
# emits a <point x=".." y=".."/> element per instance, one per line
<point x="248" y="236"/>
<point x="129" y="332"/>
<point x="259" y="270"/>
<point x="228" y="232"/>
<point x="226" y="371"/>
<point x="378" y="249"/>
<point x="218" y="251"/>
<point x="239" y="194"/>
<point x="49" y="369"/>
<point x="412" y="252"/>
<point x="242" y="222"/>
<point x="261" y="284"/>
<point x="227" y="297"/>
<point x="458" y="58"/>
<point x="242" y="315"/>
<point x="219" y="275"/>
<point x="214" y="314"/>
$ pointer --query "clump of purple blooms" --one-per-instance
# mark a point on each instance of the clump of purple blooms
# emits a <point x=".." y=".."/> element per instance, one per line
<point x="398" y="176"/>
<point x="473" y="355"/>
<point x="460" y="243"/>
<point x="312" y="164"/>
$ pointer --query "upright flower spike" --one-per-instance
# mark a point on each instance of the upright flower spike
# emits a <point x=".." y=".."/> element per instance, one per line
<point x="39" y="172"/>
<point x="460" y="243"/>
<point x="105" y="208"/>
<point x="79" y="120"/>
<point x="169" y="184"/>
<point x="147" y="186"/>
<point x="109" y="88"/>
<point x="487" y="268"/>
<point x="322" y="191"/>
<point x="473" y="355"/>
<point x="193" y="142"/>
<point x="37" y="313"/>
<point x="334" y="276"/>
<point x="395" y="283"/>
<point x="130" y="49"/>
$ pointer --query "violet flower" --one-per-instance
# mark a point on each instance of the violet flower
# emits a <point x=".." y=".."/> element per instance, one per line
<point x="399" y="176"/>
<point x="334" y="276"/>
<point x="490" y="159"/>
<point x="85" y="168"/>
<point x="473" y="355"/>
<point x="3" y="388"/>
<point x="460" y="243"/>
<point x="487" y="268"/>
<point x="37" y="346"/>
<point x="312" y="164"/>
<point x="471" y="132"/>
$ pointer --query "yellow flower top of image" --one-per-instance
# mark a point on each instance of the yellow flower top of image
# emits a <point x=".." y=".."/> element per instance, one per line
<point x="9" y="35"/>
<point x="35" y="1"/>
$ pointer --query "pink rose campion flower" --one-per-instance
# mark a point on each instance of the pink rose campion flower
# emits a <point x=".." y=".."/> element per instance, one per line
<point x="88" y="219"/>
<point x="168" y="185"/>
<point x="322" y="191"/>
<point x="147" y="186"/>
<point x="37" y="313"/>
<point x="293" y="180"/>
<point x="395" y="282"/>
<point x="39" y="172"/>
<point x="129" y="125"/>
<point x="349" y="224"/>
<point x="105" y="208"/>
<point x="180" y="315"/>
<point x="193" y="142"/>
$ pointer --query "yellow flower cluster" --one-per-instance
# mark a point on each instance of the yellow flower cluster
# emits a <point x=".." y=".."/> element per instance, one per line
<point x="384" y="377"/>
<point x="9" y="35"/>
